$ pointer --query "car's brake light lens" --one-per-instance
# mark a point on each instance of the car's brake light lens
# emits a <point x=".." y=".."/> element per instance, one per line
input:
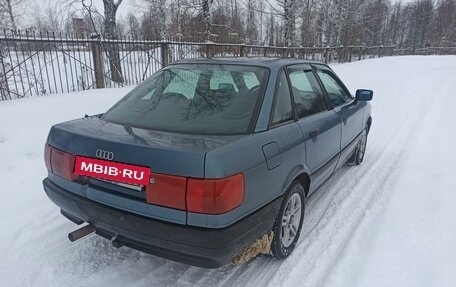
<point x="59" y="162"/>
<point x="47" y="156"/>
<point x="215" y="196"/>
<point x="166" y="190"/>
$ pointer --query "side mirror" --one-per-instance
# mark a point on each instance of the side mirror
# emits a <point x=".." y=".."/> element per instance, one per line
<point x="364" y="95"/>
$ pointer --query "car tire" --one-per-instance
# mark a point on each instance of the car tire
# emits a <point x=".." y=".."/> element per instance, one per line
<point x="288" y="223"/>
<point x="361" y="149"/>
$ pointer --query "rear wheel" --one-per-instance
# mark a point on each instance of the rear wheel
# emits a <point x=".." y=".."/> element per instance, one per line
<point x="288" y="224"/>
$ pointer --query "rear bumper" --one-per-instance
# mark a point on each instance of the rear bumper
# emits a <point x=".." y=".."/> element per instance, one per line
<point x="204" y="247"/>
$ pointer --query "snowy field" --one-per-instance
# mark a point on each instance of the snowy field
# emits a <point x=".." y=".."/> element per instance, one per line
<point x="389" y="222"/>
<point x="64" y="69"/>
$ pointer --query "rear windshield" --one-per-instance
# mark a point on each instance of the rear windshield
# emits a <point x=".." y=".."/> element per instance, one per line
<point x="199" y="99"/>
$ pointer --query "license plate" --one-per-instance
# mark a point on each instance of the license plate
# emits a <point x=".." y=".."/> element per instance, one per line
<point x="115" y="171"/>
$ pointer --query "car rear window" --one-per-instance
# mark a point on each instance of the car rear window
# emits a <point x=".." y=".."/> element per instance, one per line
<point x="193" y="98"/>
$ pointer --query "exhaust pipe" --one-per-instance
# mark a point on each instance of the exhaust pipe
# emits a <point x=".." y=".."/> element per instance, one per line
<point x="81" y="232"/>
<point x="116" y="243"/>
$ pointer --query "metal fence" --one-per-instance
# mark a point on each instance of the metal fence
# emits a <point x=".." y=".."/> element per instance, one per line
<point x="37" y="64"/>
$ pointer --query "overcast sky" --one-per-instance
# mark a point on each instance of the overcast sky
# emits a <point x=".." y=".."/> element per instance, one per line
<point x="30" y="6"/>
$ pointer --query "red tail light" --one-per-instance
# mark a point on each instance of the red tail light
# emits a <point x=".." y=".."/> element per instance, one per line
<point x="215" y="196"/>
<point x="59" y="162"/>
<point x="166" y="190"/>
<point x="47" y="156"/>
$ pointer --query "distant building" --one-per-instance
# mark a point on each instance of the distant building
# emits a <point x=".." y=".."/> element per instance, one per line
<point x="79" y="28"/>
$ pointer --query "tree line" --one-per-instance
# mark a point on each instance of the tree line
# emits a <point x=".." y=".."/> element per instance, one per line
<point x="307" y="23"/>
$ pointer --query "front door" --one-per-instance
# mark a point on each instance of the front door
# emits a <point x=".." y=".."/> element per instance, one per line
<point x="343" y="104"/>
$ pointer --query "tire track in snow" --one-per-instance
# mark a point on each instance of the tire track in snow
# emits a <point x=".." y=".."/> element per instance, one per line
<point x="421" y="120"/>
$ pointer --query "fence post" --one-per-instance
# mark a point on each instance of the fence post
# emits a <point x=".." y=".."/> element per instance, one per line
<point x="4" y="82"/>
<point x="164" y="53"/>
<point x="97" y="54"/>
<point x="241" y="50"/>
<point x="209" y="52"/>
<point x="326" y="55"/>
<point x="265" y="52"/>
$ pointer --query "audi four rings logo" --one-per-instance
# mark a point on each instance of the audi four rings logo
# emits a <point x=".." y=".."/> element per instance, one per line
<point x="104" y="154"/>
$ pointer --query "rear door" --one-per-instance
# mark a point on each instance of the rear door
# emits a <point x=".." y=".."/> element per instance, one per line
<point x="284" y="139"/>
<point x="349" y="112"/>
<point x="320" y="126"/>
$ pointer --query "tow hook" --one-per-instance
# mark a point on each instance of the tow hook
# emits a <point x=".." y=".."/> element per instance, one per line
<point x="81" y="232"/>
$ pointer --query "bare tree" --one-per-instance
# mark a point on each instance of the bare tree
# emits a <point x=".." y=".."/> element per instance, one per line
<point x="157" y="16"/>
<point x="261" y="10"/>
<point x="425" y="15"/>
<point x="206" y="5"/>
<point x="109" y="30"/>
<point x="445" y="23"/>
<point x="9" y="12"/>
<point x="289" y="16"/>
<point x="110" y="11"/>
<point x="252" y="24"/>
<point x="55" y="18"/>
<point x="286" y="11"/>
<point x="133" y="25"/>
<point x="393" y="23"/>
<point x="307" y="15"/>
<point x="271" y="30"/>
<point x="94" y="22"/>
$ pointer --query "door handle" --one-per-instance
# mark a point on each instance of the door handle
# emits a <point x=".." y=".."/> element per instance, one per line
<point x="313" y="134"/>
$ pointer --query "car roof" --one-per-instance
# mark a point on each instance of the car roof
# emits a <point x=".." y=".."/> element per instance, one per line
<point x="254" y="61"/>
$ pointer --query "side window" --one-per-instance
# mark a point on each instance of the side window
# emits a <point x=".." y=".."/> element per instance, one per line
<point x="306" y="93"/>
<point x="282" y="110"/>
<point x="336" y="93"/>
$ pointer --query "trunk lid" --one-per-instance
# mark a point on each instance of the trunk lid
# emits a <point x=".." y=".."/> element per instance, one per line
<point x="163" y="152"/>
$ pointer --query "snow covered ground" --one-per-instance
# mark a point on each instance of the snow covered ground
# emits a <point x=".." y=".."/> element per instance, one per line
<point x="389" y="222"/>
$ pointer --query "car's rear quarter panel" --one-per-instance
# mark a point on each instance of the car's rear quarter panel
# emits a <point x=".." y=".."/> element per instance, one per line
<point x="262" y="184"/>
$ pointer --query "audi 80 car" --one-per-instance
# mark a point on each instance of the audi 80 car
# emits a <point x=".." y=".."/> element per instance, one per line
<point x="208" y="155"/>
